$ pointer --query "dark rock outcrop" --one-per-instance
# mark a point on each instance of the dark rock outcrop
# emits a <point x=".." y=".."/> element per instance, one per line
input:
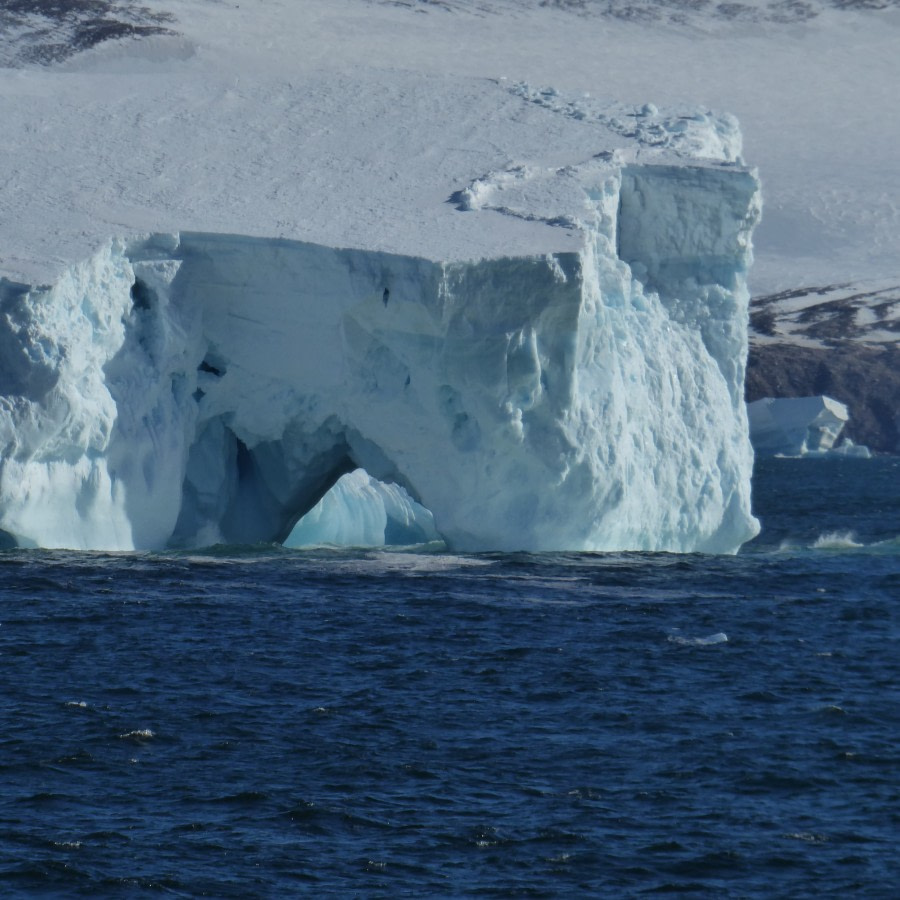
<point x="50" y="31"/>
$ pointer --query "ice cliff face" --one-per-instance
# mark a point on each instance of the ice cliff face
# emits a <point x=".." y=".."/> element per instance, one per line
<point x="190" y="388"/>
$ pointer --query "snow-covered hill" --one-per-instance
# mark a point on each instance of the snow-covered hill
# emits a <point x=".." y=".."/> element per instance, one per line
<point x="48" y="31"/>
<point x="697" y="13"/>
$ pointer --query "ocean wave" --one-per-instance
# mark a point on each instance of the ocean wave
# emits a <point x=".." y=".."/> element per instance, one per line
<point x="388" y="561"/>
<point x="836" y="540"/>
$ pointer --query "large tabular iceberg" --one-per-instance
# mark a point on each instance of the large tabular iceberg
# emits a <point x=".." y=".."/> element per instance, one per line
<point x="190" y="388"/>
<point x="526" y="309"/>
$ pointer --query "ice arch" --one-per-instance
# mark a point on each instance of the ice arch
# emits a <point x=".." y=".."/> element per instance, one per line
<point x="392" y="380"/>
<point x="190" y="388"/>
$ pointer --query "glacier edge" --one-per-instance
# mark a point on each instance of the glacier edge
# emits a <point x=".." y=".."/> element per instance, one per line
<point x="194" y="388"/>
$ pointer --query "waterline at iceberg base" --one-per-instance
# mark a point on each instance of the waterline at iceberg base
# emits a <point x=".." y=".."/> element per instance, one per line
<point x="186" y="389"/>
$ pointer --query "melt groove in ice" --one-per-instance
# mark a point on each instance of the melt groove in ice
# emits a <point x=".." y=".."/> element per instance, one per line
<point x="186" y="389"/>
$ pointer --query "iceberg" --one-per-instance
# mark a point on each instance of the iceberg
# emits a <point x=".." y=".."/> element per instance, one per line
<point x="527" y="309"/>
<point x="800" y="426"/>
<point x="189" y="388"/>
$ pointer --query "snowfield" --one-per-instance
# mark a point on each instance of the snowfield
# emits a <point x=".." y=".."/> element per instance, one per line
<point x="261" y="97"/>
<point x="540" y="329"/>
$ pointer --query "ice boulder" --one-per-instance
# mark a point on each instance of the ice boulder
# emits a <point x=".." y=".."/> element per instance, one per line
<point x="798" y="426"/>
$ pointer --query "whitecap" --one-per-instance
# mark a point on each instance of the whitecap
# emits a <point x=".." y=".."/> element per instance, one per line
<point x="788" y="546"/>
<point x="139" y="735"/>
<point x="836" y="540"/>
<point x="407" y="563"/>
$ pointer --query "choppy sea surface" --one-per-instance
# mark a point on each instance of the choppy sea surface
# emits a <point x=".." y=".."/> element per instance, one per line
<point x="258" y="722"/>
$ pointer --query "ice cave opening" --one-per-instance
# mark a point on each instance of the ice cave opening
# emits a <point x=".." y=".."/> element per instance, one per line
<point x="361" y="511"/>
<point x="306" y="488"/>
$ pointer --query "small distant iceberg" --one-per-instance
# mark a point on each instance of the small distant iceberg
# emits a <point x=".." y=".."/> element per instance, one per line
<point x="801" y="426"/>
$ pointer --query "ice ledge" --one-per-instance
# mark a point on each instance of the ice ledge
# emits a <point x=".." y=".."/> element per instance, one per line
<point x="190" y="388"/>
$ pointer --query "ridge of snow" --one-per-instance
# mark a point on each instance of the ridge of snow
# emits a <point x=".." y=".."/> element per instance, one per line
<point x="694" y="133"/>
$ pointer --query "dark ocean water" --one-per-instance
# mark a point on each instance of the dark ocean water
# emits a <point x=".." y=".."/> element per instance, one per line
<point x="267" y="723"/>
